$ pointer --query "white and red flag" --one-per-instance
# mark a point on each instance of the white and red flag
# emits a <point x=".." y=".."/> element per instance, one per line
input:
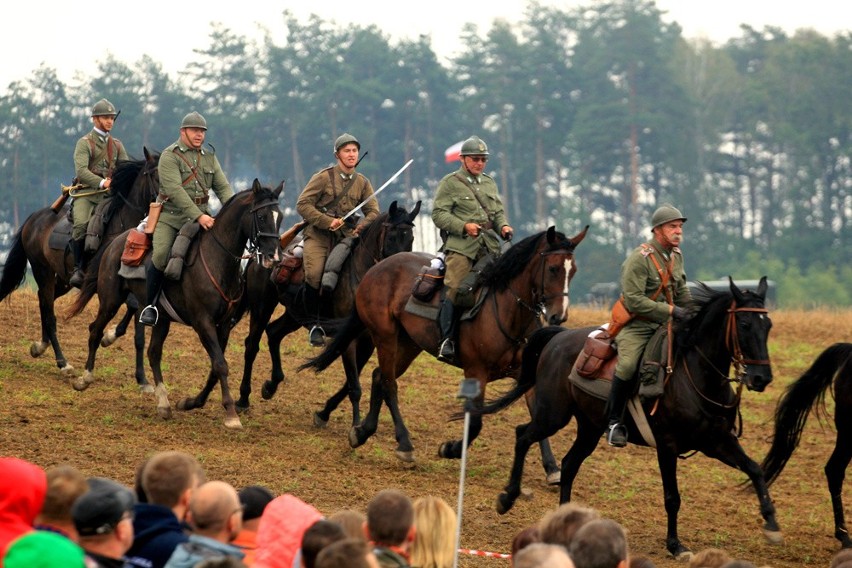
<point x="452" y="153"/>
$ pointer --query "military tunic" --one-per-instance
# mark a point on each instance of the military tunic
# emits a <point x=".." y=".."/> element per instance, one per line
<point x="91" y="172"/>
<point x="320" y="191"/>
<point x="455" y="205"/>
<point x="186" y="177"/>
<point x="639" y="281"/>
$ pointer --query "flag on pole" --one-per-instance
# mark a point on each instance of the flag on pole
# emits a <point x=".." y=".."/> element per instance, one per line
<point x="453" y="153"/>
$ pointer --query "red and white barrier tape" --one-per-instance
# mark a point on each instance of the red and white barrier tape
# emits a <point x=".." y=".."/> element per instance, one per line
<point x="484" y="553"/>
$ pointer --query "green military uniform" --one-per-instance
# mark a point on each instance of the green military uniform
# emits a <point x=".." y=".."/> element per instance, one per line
<point x="639" y="281"/>
<point x="186" y="177"/>
<point x="95" y="156"/>
<point x="323" y="188"/>
<point x="455" y="205"/>
<point x="389" y="558"/>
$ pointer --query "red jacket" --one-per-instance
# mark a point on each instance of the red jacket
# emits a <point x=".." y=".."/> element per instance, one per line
<point x="23" y="486"/>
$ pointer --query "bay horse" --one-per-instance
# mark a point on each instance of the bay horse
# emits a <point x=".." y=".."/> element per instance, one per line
<point x="832" y="368"/>
<point x="135" y="184"/>
<point x="208" y="297"/>
<point x="697" y="411"/>
<point x="529" y="281"/>
<point x="389" y="233"/>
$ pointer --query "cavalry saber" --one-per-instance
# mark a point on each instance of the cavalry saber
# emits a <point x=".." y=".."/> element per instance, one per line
<point x="375" y="193"/>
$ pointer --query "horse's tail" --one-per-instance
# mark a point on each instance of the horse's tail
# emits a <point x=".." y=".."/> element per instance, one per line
<point x="529" y="366"/>
<point x="352" y="327"/>
<point x="795" y="405"/>
<point x="15" y="268"/>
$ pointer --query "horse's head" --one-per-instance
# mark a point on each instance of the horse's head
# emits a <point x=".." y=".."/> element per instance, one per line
<point x="265" y="221"/>
<point x="135" y="183"/>
<point x="391" y="232"/>
<point x="748" y="334"/>
<point x="558" y="267"/>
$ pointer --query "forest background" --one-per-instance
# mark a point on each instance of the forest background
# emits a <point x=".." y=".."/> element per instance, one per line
<point x="593" y="115"/>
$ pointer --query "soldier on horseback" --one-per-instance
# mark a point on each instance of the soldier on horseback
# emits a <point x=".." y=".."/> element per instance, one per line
<point x="329" y="195"/>
<point x="95" y="156"/>
<point x="653" y="285"/>
<point x="187" y="175"/>
<point x="468" y="208"/>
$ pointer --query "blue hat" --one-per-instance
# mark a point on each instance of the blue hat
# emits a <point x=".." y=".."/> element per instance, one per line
<point x="101" y="508"/>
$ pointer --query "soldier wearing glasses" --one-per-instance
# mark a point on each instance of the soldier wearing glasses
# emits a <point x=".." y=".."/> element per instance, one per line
<point x="469" y="210"/>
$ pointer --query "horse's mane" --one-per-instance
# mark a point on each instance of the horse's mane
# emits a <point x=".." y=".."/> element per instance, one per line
<point x="709" y="308"/>
<point x="264" y="194"/>
<point x="123" y="178"/>
<point x="374" y="226"/>
<point x="515" y="260"/>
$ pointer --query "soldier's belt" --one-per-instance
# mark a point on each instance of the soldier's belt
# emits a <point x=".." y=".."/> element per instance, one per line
<point x="487" y="226"/>
<point x="196" y="200"/>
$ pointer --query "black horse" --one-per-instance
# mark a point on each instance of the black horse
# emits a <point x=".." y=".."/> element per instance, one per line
<point x="697" y="412"/>
<point x="208" y="296"/>
<point x="389" y="233"/>
<point x="832" y="367"/>
<point x="135" y="184"/>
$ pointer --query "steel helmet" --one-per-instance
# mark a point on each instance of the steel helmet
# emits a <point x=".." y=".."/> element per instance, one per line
<point x="665" y="214"/>
<point x="103" y="108"/>
<point x="474" y="146"/>
<point x="345" y="139"/>
<point x="194" y="120"/>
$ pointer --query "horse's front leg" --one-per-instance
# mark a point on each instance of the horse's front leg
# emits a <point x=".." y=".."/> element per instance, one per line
<point x="548" y="461"/>
<point x="361" y="433"/>
<point x="353" y="361"/>
<point x="215" y="343"/>
<point x="96" y="333"/>
<point x="404" y="449"/>
<point x="120" y="329"/>
<point x="671" y="497"/>
<point x="835" y="471"/>
<point x="155" y="357"/>
<point x="452" y="449"/>
<point x="47" y="294"/>
<point x="275" y="334"/>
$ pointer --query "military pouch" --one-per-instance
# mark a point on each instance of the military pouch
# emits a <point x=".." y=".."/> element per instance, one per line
<point x="597" y="350"/>
<point x="428" y="281"/>
<point x="135" y="248"/>
<point x="619" y="317"/>
<point x="283" y="273"/>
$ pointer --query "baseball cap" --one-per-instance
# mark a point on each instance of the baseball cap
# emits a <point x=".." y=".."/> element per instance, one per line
<point x="254" y="499"/>
<point x="41" y="549"/>
<point x="102" y="507"/>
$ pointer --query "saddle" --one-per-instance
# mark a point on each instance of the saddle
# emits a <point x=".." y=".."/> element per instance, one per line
<point x="289" y="270"/>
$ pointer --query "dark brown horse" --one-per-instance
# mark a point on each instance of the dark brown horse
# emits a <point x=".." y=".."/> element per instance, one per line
<point x="208" y="296"/>
<point x="833" y="368"/>
<point x="529" y="281"/>
<point x="135" y="184"/>
<point x="697" y="412"/>
<point x="390" y="233"/>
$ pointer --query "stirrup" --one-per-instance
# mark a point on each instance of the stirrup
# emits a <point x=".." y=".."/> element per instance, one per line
<point x="447" y="351"/>
<point x="616" y="436"/>
<point x="149" y="315"/>
<point x="76" y="280"/>
<point x="317" y="336"/>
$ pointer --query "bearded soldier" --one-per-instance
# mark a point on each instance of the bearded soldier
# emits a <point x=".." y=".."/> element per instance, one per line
<point x="188" y="173"/>
<point x="329" y="195"/>
<point x="653" y="285"/>
<point x="95" y="156"/>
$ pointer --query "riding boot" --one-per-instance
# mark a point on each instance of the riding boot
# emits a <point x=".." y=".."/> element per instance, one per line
<point x="77" y="249"/>
<point x="153" y="285"/>
<point x="447" y="322"/>
<point x="618" y="396"/>
<point x="312" y="308"/>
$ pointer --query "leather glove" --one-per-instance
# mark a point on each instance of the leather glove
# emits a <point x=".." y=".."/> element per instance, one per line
<point x="680" y="314"/>
<point x="508" y="234"/>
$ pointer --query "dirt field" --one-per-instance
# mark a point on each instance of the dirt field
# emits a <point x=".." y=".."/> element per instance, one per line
<point x="110" y="428"/>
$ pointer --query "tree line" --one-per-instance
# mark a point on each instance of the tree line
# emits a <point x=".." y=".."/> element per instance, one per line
<point x="593" y="115"/>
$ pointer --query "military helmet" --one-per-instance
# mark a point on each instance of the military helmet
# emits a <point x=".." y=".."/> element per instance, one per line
<point x="345" y="139"/>
<point x="194" y="120"/>
<point x="103" y="108"/>
<point x="665" y="214"/>
<point x="474" y="146"/>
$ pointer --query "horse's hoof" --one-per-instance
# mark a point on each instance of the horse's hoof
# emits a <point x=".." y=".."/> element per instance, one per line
<point x="405" y="457"/>
<point x="504" y="504"/>
<point x="354" y="440"/>
<point x="165" y="412"/>
<point x="233" y="423"/>
<point x="241" y="408"/>
<point x="83" y="382"/>
<point x="447" y="451"/>
<point x="66" y="372"/>
<point x="185" y="404"/>
<point x="526" y="494"/>
<point x="267" y="391"/>
<point x="108" y="338"/>
<point x="684" y="556"/>
<point x="146" y="388"/>
<point x="37" y="348"/>
<point x="773" y="537"/>
<point x="319" y="422"/>
<point x="554" y="478"/>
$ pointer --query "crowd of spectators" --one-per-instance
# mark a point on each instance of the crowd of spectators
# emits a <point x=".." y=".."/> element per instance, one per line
<point x="175" y="518"/>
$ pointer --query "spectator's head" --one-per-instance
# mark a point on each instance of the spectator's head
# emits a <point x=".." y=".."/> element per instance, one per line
<point x="352" y="522"/>
<point x="169" y="478"/>
<point x="215" y="511"/>
<point x="390" y="519"/>
<point x="845" y="555"/>
<point x="42" y="549"/>
<point x="738" y="564"/>
<point x="524" y="538"/>
<point x="600" y="543"/>
<point x="641" y="562"/>
<point x="254" y="499"/>
<point x="559" y="526"/>
<point x="65" y="483"/>
<point x="542" y="555"/>
<point x="709" y="558"/>
<point x="347" y="553"/>
<point x="318" y="536"/>
<point x="282" y="525"/>
<point x="435" y="540"/>
<point x="103" y="517"/>
<point x="221" y="562"/>
<point x="22" y="489"/>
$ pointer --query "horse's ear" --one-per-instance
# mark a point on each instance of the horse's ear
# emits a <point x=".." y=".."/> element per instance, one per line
<point x="738" y="294"/>
<point x="551" y="235"/>
<point x="762" y="287"/>
<point x="415" y="211"/>
<point x="147" y="154"/>
<point x="279" y="189"/>
<point x="255" y="185"/>
<point x="578" y="238"/>
<point x="392" y="209"/>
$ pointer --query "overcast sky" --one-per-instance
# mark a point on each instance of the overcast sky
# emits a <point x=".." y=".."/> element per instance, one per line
<point x="72" y="36"/>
